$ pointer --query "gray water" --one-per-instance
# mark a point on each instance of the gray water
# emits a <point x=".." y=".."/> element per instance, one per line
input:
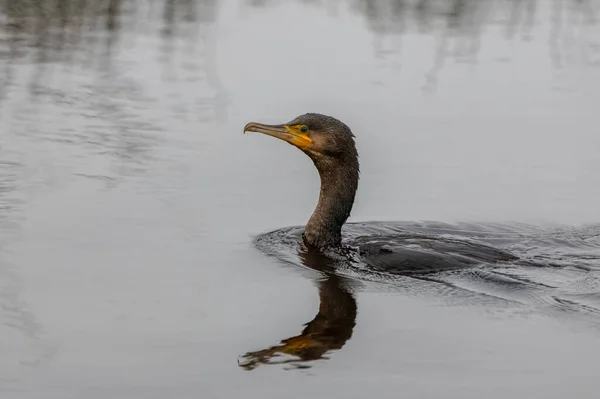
<point x="130" y="200"/>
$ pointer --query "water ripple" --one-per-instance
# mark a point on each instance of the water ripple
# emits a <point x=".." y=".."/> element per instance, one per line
<point x="556" y="270"/>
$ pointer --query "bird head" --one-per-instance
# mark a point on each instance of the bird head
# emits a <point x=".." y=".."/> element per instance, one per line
<point x="323" y="138"/>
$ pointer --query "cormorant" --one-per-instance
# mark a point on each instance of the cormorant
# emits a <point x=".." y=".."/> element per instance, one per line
<point x="330" y="144"/>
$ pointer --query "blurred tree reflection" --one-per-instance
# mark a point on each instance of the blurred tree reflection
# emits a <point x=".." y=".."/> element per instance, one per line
<point x="58" y="38"/>
<point x="59" y="28"/>
<point x="87" y="32"/>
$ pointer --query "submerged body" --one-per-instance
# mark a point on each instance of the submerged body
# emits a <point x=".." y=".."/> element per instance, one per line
<point x="413" y="255"/>
<point x="329" y="143"/>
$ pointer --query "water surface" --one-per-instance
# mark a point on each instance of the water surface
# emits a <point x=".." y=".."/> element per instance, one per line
<point x="130" y="200"/>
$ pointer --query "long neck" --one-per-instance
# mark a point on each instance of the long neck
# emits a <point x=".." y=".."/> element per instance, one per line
<point x="339" y="181"/>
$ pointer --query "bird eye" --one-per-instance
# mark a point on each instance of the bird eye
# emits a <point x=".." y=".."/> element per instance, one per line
<point x="304" y="128"/>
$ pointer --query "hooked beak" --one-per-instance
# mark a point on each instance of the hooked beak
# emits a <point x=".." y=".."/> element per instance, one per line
<point x="282" y="132"/>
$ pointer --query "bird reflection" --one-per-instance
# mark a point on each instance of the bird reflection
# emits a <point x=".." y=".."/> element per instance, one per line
<point x="330" y="329"/>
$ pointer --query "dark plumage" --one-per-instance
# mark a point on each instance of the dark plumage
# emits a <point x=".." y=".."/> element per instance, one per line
<point x="335" y="157"/>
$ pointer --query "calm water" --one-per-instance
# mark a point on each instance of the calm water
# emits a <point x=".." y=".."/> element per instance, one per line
<point x="129" y="198"/>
